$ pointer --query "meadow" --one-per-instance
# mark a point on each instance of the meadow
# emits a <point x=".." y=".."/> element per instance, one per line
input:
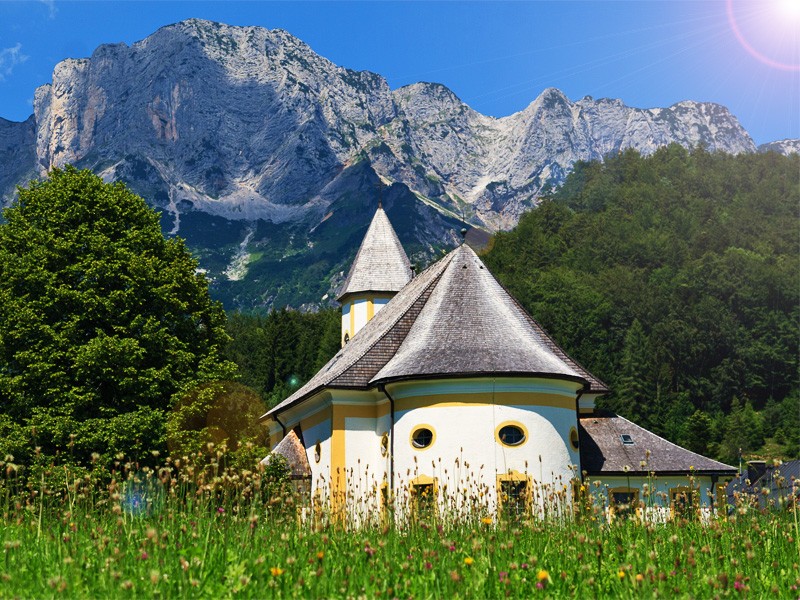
<point x="194" y="529"/>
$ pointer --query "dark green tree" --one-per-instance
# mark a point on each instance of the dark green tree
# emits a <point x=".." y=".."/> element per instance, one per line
<point x="698" y="433"/>
<point x="103" y="322"/>
<point x="633" y="393"/>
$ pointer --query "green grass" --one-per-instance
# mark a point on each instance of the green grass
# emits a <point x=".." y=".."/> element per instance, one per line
<point x="208" y="532"/>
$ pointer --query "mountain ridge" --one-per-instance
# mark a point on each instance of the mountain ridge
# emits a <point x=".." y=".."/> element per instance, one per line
<point x="225" y="127"/>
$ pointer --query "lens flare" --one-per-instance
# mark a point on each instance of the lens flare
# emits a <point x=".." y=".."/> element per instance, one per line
<point x="779" y="15"/>
<point x="143" y="495"/>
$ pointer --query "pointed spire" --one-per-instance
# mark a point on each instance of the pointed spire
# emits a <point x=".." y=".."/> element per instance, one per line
<point x="381" y="264"/>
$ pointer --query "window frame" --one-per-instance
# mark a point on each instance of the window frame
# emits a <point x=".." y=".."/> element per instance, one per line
<point x="514" y="477"/>
<point x="418" y="428"/>
<point x="516" y="424"/>
<point x="633" y="510"/>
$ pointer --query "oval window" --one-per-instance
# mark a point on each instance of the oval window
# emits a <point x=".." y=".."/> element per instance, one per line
<point x="574" y="440"/>
<point x="317" y="451"/>
<point x="511" y="435"/>
<point x="384" y="444"/>
<point x="422" y="438"/>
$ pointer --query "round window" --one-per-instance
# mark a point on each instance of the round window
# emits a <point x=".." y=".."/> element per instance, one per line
<point x="317" y="451"/>
<point x="511" y="435"/>
<point x="422" y="438"/>
<point x="574" y="440"/>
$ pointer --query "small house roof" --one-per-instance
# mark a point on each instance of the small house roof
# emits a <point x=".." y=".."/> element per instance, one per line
<point x="777" y="482"/>
<point x="603" y="451"/>
<point x="381" y="264"/>
<point x="454" y="319"/>
<point x="291" y="448"/>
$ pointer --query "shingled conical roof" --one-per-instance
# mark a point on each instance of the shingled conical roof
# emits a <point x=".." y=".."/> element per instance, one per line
<point x="454" y="319"/>
<point x="470" y="325"/>
<point x="381" y="264"/>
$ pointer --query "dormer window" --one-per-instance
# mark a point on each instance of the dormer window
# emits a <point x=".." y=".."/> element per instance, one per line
<point x="626" y="439"/>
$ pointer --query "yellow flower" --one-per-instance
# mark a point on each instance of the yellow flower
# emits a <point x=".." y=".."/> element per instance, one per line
<point x="621" y="574"/>
<point x="276" y="571"/>
<point x="320" y="555"/>
<point x="639" y="578"/>
<point x="487" y="520"/>
<point x="469" y="560"/>
<point x="542" y="575"/>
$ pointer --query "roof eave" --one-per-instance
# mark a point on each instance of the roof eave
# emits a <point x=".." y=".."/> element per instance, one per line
<point x="344" y="295"/>
<point x="679" y="473"/>
<point x="310" y="394"/>
<point x="475" y="375"/>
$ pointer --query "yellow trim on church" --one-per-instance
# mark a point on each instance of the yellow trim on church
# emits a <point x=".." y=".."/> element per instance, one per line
<point x="340" y="414"/>
<point x="504" y="398"/>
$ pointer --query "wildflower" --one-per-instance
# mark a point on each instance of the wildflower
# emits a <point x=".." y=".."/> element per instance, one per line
<point x="621" y="574"/>
<point x="144" y="556"/>
<point x="276" y="571"/>
<point x="543" y="576"/>
<point x="428" y="565"/>
<point x="487" y="520"/>
<point x="503" y="576"/>
<point x="221" y="511"/>
<point x="639" y="578"/>
<point x="468" y="561"/>
<point x="320" y="555"/>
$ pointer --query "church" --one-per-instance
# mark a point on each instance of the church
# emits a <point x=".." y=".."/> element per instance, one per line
<point x="448" y="395"/>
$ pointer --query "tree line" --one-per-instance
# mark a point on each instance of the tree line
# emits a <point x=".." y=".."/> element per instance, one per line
<point x="676" y="279"/>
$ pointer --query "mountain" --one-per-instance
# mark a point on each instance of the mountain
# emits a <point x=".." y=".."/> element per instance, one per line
<point x="785" y="147"/>
<point x="267" y="157"/>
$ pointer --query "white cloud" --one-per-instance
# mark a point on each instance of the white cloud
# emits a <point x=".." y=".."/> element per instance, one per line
<point x="51" y="6"/>
<point x="10" y="58"/>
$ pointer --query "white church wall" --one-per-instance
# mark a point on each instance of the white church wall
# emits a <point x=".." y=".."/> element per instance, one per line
<point x="365" y="466"/>
<point x="655" y="493"/>
<point x="360" y="310"/>
<point x="466" y="458"/>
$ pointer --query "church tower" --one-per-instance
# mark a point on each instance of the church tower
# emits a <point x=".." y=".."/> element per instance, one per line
<point x="380" y="270"/>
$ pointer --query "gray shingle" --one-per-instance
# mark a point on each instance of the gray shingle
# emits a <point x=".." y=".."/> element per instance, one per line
<point x="292" y="450"/>
<point x="449" y="321"/>
<point x="381" y="264"/>
<point x="471" y="326"/>
<point x="603" y="453"/>
<point x="375" y="343"/>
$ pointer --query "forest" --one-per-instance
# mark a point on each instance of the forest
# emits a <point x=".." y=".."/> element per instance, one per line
<point x="675" y="278"/>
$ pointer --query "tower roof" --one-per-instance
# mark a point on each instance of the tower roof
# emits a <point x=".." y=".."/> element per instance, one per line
<point x="453" y="320"/>
<point x="381" y="264"/>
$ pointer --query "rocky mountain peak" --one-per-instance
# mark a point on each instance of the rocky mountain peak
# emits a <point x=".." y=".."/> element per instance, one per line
<point x="209" y="121"/>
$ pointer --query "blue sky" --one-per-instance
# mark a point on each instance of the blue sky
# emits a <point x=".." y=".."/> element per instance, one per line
<point x="496" y="56"/>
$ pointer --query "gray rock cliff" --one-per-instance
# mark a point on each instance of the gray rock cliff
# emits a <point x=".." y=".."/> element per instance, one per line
<point x="253" y="145"/>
